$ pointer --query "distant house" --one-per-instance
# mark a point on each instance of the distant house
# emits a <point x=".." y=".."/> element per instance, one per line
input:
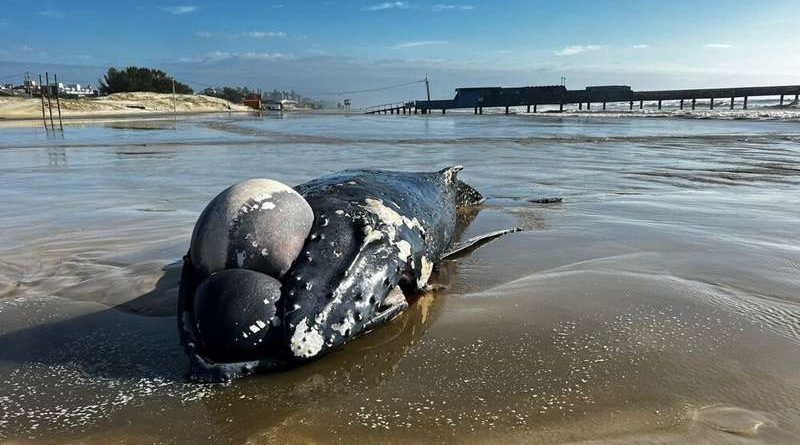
<point x="76" y="90"/>
<point x="281" y="105"/>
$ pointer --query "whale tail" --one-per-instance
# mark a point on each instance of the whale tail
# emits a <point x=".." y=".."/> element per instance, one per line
<point x="466" y="195"/>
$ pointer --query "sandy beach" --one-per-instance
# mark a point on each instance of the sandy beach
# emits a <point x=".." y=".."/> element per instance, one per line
<point x="658" y="303"/>
<point x="139" y="104"/>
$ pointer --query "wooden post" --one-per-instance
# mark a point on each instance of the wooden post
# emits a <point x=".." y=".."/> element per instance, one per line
<point x="796" y="96"/>
<point x="659" y="104"/>
<point x="391" y="110"/>
<point x="58" y="103"/>
<point x="561" y="107"/>
<point x="733" y="99"/>
<point x="534" y="108"/>
<point x="480" y="110"/>
<point x="604" y="106"/>
<point x="631" y="105"/>
<point x="745" y="102"/>
<point x="506" y="109"/>
<point x="49" y="103"/>
<point x="444" y="111"/>
<point x="694" y="102"/>
<point x="781" y="99"/>
<point x="641" y="104"/>
<point x="681" y="104"/>
<point x="404" y="110"/>
<point x="41" y="94"/>
<point x="712" y="103"/>
<point x="580" y="105"/>
<point x="529" y="108"/>
<point x="588" y="106"/>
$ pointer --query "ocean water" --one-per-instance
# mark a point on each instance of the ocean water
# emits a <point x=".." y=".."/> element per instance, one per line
<point x="659" y="302"/>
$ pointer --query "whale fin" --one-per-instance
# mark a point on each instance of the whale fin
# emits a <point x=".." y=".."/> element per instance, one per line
<point x="465" y="247"/>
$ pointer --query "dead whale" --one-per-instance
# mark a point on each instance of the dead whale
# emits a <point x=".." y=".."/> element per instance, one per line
<point x="375" y="238"/>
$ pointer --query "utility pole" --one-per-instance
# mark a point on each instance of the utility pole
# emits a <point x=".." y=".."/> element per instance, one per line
<point x="58" y="103"/>
<point x="49" y="103"/>
<point x="41" y="94"/>
<point x="428" y="87"/>
<point x="174" y="107"/>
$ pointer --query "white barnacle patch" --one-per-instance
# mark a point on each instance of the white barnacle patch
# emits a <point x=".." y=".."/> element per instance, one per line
<point x="386" y="214"/>
<point x="425" y="272"/>
<point x="306" y="341"/>
<point x="405" y="250"/>
<point x="268" y="205"/>
<point x="346" y="325"/>
<point x="370" y="235"/>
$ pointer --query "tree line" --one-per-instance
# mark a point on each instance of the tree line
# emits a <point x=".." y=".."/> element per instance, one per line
<point x="135" y="78"/>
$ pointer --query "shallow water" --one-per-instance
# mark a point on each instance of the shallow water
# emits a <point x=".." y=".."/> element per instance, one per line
<point x="658" y="303"/>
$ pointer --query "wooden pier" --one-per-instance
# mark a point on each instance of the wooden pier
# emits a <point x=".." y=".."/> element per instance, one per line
<point x="408" y="107"/>
<point x="558" y="95"/>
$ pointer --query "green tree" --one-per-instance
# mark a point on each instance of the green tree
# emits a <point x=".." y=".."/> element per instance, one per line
<point x="135" y="78"/>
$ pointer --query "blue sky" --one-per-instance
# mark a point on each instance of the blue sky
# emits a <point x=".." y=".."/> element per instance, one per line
<point x="330" y="46"/>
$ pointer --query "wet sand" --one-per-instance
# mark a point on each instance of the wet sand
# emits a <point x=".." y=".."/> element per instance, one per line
<point x="658" y="303"/>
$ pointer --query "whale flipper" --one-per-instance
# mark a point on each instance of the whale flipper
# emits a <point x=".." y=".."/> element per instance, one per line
<point x="465" y="247"/>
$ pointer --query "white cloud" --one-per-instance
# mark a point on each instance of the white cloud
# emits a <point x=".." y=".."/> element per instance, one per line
<point x="420" y="43"/>
<point x="238" y="35"/>
<point x="717" y="46"/>
<point x="444" y="7"/>
<point x="225" y="55"/>
<point x="51" y="14"/>
<point x="577" y="49"/>
<point x="178" y="9"/>
<point x="640" y="46"/>
<point x="387" y="5"/>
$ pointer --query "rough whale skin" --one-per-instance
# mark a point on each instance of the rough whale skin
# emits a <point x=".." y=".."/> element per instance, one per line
<point x="375" y="238"/>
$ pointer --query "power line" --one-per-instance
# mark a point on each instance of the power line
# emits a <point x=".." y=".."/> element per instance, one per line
<point x="388" y="87"/>
<point x="15" y="75"/>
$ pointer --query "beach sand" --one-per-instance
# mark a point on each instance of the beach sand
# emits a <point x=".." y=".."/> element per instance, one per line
<point x="657" y="304"/>
<point x="116" y="105"/>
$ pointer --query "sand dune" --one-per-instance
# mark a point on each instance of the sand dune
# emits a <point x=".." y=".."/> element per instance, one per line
<point x="138" y="103"/>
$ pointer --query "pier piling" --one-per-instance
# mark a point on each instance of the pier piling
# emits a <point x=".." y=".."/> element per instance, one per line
<point x="745" y="103"/>
<point x="781" y="99"/>
<point x="506" y="109"/>
<point x="681" y="104"/>
<point x="641" y="104"/>
<point x="659" y="104"/>
<point x="604" y="106"/>
<point x="529" y="108"/>
<point x="712" y="103"/>
<point x="694" y="103"/>
<point x="733" y="100"/>
<point x="631" y="105"/>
